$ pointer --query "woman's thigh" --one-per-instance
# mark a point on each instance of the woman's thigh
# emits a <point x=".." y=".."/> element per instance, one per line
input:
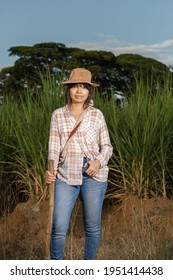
<point x="93" y="193"/>
<point x="65" y="197"/>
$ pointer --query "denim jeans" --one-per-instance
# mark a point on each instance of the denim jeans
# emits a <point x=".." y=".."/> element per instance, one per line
<point x="92" y="193"/>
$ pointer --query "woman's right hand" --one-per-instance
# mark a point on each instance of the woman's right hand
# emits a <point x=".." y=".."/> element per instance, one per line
<point x="50" y="178"/>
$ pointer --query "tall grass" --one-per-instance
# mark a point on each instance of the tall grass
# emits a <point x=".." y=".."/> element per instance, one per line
<point x="24" y="135"/>
<point x="141" y="132"/>
<point x="142" y="135"/>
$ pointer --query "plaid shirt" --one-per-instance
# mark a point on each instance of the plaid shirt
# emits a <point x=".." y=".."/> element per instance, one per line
<point x="90" y="140"/>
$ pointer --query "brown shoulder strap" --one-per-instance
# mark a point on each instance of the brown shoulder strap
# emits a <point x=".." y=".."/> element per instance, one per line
<point x="74" y="130"/>
<point x="78" y="122"/>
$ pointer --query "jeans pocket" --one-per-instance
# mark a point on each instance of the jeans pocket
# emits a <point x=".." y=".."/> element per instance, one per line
<point x="85" y="164"/>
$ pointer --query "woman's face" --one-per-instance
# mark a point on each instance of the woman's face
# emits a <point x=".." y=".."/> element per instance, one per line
<point x="78" y="93"/>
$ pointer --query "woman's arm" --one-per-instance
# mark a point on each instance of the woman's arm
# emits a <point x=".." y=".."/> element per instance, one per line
<point x="106" y="148"/>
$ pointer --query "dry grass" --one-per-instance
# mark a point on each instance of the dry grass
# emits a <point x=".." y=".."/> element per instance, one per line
<point x="135" y="229"/>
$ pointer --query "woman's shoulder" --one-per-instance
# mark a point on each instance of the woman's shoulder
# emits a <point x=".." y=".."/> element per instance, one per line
<point x="95" y="111"/>
<point x="59" y="111"/>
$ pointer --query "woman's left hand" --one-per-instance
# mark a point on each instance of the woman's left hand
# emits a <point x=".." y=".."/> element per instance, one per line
<point x="93" y="167"/>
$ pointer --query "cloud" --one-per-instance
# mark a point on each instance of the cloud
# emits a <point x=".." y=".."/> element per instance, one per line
<point x="162" y="51"/>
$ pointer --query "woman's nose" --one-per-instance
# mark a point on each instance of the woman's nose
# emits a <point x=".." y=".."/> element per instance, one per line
<point x="78" y="88"/>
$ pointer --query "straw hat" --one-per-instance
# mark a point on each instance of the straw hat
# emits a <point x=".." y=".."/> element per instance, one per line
<point x="80" y="75"/>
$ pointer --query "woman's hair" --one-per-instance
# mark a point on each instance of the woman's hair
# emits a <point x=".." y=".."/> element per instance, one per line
<point x="68" y="98"/>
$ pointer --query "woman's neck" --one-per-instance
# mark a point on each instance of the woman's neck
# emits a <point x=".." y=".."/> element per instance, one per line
<point x="76" y="109"/>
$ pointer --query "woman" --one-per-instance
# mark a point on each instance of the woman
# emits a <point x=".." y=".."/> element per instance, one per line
<point x="81" y="168"/>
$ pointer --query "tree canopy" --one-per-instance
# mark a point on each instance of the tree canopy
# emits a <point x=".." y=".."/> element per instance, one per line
<point x="112" y="72"/>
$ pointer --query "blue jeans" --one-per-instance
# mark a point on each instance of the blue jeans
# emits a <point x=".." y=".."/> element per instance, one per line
<point x="92" y="193"/>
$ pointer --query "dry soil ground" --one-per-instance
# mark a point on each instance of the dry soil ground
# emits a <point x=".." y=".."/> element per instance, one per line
<point x="133" y="229"/>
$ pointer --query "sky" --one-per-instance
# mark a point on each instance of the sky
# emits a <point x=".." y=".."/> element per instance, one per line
<point x="142" y="27"/>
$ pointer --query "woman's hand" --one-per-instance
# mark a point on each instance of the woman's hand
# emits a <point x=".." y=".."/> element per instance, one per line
<point x="50" y="178"/>
<point x="93" y="167"/>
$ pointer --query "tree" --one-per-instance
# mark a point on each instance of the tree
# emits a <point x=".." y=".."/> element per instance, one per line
<point x="136" y="66"/>
<point x="111" y="72"/>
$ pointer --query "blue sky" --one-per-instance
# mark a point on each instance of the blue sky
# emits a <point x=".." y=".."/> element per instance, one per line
<point x="121" y="26"/>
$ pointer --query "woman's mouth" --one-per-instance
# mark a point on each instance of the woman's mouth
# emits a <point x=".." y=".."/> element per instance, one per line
<point x="78" y="97"/>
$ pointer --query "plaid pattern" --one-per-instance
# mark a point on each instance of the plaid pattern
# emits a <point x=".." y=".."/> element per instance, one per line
<point x="91" y="140"/>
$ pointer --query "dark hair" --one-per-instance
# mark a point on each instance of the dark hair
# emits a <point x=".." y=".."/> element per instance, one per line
<point x="90" y="95"/>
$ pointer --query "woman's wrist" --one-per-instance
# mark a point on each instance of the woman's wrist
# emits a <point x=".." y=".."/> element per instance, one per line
<point x="98" y="162"/>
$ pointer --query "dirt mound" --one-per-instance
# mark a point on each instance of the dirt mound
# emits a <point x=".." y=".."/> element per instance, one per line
<point x="134" y="229"/>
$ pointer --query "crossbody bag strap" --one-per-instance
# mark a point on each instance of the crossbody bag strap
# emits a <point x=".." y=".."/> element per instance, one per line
<point x="72" y="133"/>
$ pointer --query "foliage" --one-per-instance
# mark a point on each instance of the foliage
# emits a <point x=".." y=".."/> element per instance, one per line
<point x="24" y="137"/>
<point x="113" y="73"/>
<point x="141" y="132"/>
<point x="136" y="66"/>
<point x="142" y="136"/>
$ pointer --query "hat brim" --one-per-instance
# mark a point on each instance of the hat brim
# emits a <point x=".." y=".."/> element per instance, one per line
<point x="80" y="82"/>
